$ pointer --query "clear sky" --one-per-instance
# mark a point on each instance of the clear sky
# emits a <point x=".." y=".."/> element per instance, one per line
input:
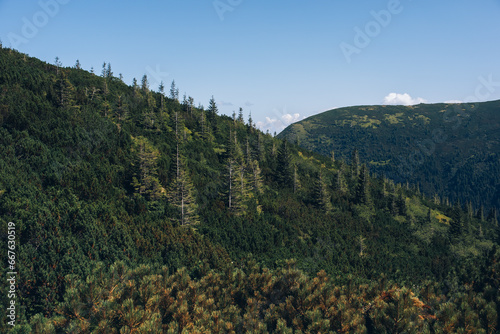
<point x="279" y="60"/>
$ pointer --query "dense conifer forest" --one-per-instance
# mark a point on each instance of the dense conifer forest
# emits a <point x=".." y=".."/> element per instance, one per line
<point x="138" y="212"/>
<point x="448" y="149"/>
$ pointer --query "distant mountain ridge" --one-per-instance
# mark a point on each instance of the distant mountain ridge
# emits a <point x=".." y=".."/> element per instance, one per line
<point x="449" y="149"/>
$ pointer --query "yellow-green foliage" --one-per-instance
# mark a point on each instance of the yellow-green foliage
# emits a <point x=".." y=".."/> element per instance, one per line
<point x="394" y="119"/>
<point x="379" y="163"/>
<point x="441" y="217"/>
<point x="425" y="119"/>
<point x="298" y="130"/>
<point x="362" y="121"/>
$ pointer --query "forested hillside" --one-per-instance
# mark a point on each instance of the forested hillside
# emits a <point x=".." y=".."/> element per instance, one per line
<point x="452" y="150"/>
<point x="138" y="212"/>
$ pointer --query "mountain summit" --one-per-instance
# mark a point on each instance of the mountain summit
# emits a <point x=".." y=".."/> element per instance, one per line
<point x="448" y="150"/>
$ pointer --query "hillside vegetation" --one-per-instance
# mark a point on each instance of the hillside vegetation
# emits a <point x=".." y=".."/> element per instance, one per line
<point x="452" y="150"/>
<point x="136" y="212"/>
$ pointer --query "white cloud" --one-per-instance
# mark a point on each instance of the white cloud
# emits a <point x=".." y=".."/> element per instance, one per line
<point x="225" y="104"/>
<point x="278" y="124"/>
<point x="453" y="101"/>
<point x="404" y="99"/>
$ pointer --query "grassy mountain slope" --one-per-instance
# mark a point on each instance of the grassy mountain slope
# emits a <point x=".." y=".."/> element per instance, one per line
<point x="448" y="149"/>
<point x="134" y="210"/>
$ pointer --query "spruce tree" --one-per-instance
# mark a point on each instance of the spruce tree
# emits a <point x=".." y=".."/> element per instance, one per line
<point x="58" y="65"/>
<point x="145" y="84"/>
<point x="230" y="183"/>
<point x="322" y="198"/>
<point x="362" y="245"/>
<point x="240" y="116"/>
<point x="185" y="103"/>
<point x="296" y="182"/>
<point x="161" y="90"/>
<point x="121" y="110"/>
<point x="362" y="188"/>
<point x="401" y="204"/>
<point x="237" y="182"/>
<point x="109" y="72"/>
<point x="174" y="92"/>
<point x="237" y="187"/>
<point x="480" y="213"/>
<point x="212" y="113"/>
<point x="257" y="177"/>
<point x="145" y="181"/>
<point x="103" y="70"/>
<point x="457" y="222"/>
<point x="392" y="205"/>
<point x="492" y="216"/>
<point x="203" y="124"/>
<point x="248" y="153"/>
<point x="250" y="121"/>
<point x="283" y="166"/>
<point x="190" y="104"/>
<point x="243" y="188"/>
<point x="149" y="114"/>
<point x="355" y="164"/>
<point x="182" y="193"/>
<point x="261" y="149"/>
<point x="340" y="184"/>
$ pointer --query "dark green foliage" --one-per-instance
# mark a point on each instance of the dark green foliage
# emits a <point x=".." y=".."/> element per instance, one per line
<point x="448" y="149"/>
<point x="355" y="164"/>
<point x="284" y="174"/>
<point x="457" y="221"/>
<point x="362" y="187"/>
<point x="321" y="197"/>
<point x="401" y="205"/>
<point x="212" y="113"/>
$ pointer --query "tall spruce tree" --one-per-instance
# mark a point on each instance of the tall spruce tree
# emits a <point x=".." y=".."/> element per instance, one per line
<point x="65" y="91"/>
<point x="362" y="187"/>
<point x="161" y="90"/>
<point x="190" y="104"/>
<point x="240" y="116"/>
<point x="145" y="84"/>
<point x="401" y="204"/>
<point x="182" y="193"/>
<point x="355" y="164"/>
<point x="340" y="183"/>
<point x="257" y="177"/>
<point x="212" y="112"/>
<point x="283" y="166"/>
<point x="480" y="213"/>
<point x="174" y="92"/>
<point x="145" y="181"/>
<point x="322" y="198"/>
<point x="457" y="221"/>
<point x="492" y="216"/>
<point x="296" y="181"/>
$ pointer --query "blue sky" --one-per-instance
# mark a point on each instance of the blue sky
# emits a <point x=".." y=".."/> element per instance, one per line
<point x="279" y="60"/>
